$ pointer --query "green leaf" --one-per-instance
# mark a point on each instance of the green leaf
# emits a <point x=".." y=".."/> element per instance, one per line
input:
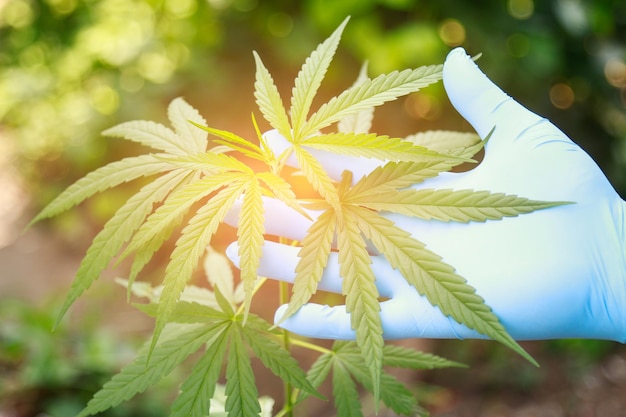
<point x="116" y="232"/>
<point x="317" y="177"/>
<point x="454" y="205"/>
<point x="141" y="373"/>
<point x="395" y="175"/>
<point x="277" y="359"/>
<point x="345" y="393"/>
<point x="209" y="162"/>
<point x="371" y="93"/>
<point x="393" y="393"/>
<point x="183" y="118"/>
<point x="192" y="243"/>
<point x="310" y="78"/>
<point x="197" y="391"/>
<point x="433" y="278"/>
<point x="316" y="247"/>
<point x="250" y="239"/>
<point x="188" y="312"/>
<point x="444" y="141"/>
<point x="361" y="296"/>
<point x="269" y="101"/>
<point x="401" y="357"/>
<point x="155" y="229"/>
<point x="151" y="134"/>
<point x="360" y="122"/>
<point x="224" y="304"/>
<point x="371" y="145"/>
<point x="219" y="273"/>
<point x="101" y="179"/>
<point x="236" y="142"/>
<point x="241" y="388"/>
<point x="320" y="370"/>
<point x="282" y="190"/>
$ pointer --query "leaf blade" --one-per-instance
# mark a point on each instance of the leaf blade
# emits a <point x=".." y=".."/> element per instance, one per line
<point x="309" y="79"/>
<point x="103" y="178"/>
<point x="371" y="93"/>
<point x="431" y="277"/>
<point x="241" y="389"/>
<point x="269" y="101"/>
<point x="316" y="247"/>
<point x="197" y="390"/>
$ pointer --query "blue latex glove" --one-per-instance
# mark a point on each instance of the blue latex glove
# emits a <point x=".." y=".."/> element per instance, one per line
<point x="555" y="273"/>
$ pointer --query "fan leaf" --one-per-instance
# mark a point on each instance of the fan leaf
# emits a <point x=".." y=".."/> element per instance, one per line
<point x="376" y="147"/>
<point x="117" y="231"/>
<point x="316" y="247"/>
<point x="141" y="373"/>
<point x="433" y="278"/>
<point x="184" y="119"/>
<point x="310" y="78"/>
<point x="197" y="391"/>
<point x="454" y="205"/>
<point x="372" y="93"/>
<point x="103" y="178"/>
<point x="250" y="238"/>
<point x="361" y="295"/>
<point x="241" y="389"/>
<point x="190" y="246"/>
<point x="269" y="101"/>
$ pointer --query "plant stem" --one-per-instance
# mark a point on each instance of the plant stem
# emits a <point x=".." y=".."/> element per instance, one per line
<point x="284" y="298"/>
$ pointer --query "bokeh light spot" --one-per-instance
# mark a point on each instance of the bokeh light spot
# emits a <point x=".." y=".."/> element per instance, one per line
<point x="452" y="32"/>
<point x="562" y="96"/>
<point x="17" y="14"/>
<point x="615" y="73"/>
<point x="280" y="24"/>
<point x="181" y="9"/>
<point x="104" y="99"/>
<point x="422" y="106"/>
<point x="521" y="9"/>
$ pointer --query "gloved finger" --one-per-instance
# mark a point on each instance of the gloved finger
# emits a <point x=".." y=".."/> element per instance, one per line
<point x="480" y="101"/>
<point x="401" y="318"/>
<point x="279" y="261"/>
<point x="279" y="219"/>
<point x="333" y="163"/>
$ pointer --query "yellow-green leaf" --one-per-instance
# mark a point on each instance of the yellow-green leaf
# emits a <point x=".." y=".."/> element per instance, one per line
<point x="317" y="176"/>
<point x="250" y="239"/>
<point x="190" y="246"/>
<point x="105" y="177"/>
<point x="371" y="93"/>
<point x="309" y="79"/>
<point x="454" y="205"/>
<point x="269" y="101"/>
<point x="184" y="119"/>
<point x="433" y="278"/>
<point x="117" y="231"/>
<point x="360" y="122"/>
<point x="316" y="247"/>
<point x="371" y="145"/>
<point x="361" y="295"/>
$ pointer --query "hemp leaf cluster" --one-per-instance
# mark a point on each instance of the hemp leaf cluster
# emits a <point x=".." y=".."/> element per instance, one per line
<point x="197" y="176"/>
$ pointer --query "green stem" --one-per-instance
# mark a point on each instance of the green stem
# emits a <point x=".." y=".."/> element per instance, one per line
<point x="284" y="298"/>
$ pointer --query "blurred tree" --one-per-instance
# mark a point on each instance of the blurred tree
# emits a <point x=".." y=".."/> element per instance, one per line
<point x="69" y="68"/>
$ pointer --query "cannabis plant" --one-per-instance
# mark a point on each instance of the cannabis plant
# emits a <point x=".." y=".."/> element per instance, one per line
<point x="198" y="176"/>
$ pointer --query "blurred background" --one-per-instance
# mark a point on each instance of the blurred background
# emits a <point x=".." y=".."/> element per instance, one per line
<point x="71" y="68"/>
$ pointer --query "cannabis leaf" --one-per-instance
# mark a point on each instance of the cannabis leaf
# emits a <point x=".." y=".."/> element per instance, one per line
<point x="225" y="339"/>
<point x="345" y="361"/>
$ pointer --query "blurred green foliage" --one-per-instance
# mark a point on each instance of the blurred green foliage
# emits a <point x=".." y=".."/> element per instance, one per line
<point x="56" y="373"/>
<point x="70" y="68"/>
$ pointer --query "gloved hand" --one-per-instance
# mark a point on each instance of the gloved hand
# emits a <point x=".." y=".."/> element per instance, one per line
<point x="554" y="273"/>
